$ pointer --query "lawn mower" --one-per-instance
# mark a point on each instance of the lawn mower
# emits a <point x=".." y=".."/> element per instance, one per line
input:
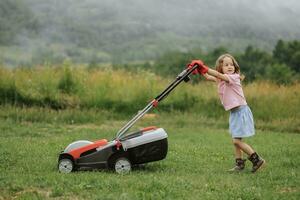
<point x="126" y="149"/>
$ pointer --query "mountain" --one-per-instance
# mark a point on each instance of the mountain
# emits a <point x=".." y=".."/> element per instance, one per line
<point x="132" y="30"/>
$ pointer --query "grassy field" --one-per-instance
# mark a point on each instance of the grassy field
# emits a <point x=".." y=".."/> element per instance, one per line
<point x="43" y="109"/>
<point x="200" y="152"/>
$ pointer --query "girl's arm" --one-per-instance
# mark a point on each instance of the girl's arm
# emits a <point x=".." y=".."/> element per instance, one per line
<point x="209" y="74"/>
<point x="210" y="78"/>
<point x="216" y="75"/>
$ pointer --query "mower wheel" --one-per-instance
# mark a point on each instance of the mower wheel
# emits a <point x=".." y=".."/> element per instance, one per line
<point x="66" y="165"/>
<point x="122" y="165"/>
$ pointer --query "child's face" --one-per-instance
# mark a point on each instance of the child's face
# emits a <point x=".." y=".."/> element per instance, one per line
<point x="228" y="67"/>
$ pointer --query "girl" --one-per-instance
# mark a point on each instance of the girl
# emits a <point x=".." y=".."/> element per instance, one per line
<point x="241" y="124"/>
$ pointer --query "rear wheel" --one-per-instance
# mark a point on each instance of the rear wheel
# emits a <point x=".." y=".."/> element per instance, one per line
<point x="122" y="165"/>
<point x="66" y="166"/>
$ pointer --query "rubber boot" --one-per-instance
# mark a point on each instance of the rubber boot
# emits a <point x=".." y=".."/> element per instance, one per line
<point x="257" y="161"/>
<point x="239" y="165"/>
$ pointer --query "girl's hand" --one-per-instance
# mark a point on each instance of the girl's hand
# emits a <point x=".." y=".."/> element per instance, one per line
<point x="197" y="62"/>
<point x="202" y="69"/>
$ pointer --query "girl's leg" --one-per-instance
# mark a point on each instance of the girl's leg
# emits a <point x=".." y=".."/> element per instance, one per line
<point x="256" y="160"/>
<point x="243" y="146"/>
<point x="239" y="161"/>
<point x="238" y="152"/>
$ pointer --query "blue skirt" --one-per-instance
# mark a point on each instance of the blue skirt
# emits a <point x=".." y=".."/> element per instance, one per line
<point x="241" y="123"/>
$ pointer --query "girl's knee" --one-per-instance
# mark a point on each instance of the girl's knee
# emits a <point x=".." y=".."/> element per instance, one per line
<point x="236" y="141"/>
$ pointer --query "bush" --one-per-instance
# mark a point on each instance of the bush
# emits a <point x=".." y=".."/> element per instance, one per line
<point x="279" y="74"/>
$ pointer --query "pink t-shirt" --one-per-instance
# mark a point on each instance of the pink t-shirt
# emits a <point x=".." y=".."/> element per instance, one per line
<point x="231" y="94"/>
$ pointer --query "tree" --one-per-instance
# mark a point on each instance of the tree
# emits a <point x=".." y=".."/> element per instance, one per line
<point x="279" y="73"/>
<point x="280" y="51"/>
<point x="171" y="63"/>
<point x="253" y="62"/>
<point x="288" y="53"/>
<point x="211" y="57"/>
<point x="295" y="61"/>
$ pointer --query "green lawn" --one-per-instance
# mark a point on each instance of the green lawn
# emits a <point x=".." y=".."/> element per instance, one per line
<point x="200" y="153"/>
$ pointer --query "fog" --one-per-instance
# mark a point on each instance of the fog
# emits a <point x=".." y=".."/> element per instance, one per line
<point x="184" y="17"/>
<point x="112" y="26"/>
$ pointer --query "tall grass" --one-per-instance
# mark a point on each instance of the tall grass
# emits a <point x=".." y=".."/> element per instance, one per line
<point x="58" y="87"/>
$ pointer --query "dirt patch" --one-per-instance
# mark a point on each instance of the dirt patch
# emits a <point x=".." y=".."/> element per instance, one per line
<point x="288" y="190"/>
<point x="39" y="191"/>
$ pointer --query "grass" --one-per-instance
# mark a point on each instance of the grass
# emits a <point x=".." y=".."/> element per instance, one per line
<point x="200" y="152"/>
<point x="43" y="109"/>
<point x="78" y="88"/>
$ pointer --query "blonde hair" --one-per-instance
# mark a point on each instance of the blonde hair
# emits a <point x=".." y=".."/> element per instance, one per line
<point x="220" y="60"/>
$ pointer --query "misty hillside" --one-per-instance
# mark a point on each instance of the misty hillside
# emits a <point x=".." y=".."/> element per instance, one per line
<point x="132" y="30"/>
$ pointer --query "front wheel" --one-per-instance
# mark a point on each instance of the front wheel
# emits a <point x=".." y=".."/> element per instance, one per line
<point x="66" y="166"/>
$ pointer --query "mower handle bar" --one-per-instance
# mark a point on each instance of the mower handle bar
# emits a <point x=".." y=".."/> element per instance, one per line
<point x="183" y="76"/>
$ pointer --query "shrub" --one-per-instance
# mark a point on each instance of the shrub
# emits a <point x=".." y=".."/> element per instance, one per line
<point x="67" y="83"/>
